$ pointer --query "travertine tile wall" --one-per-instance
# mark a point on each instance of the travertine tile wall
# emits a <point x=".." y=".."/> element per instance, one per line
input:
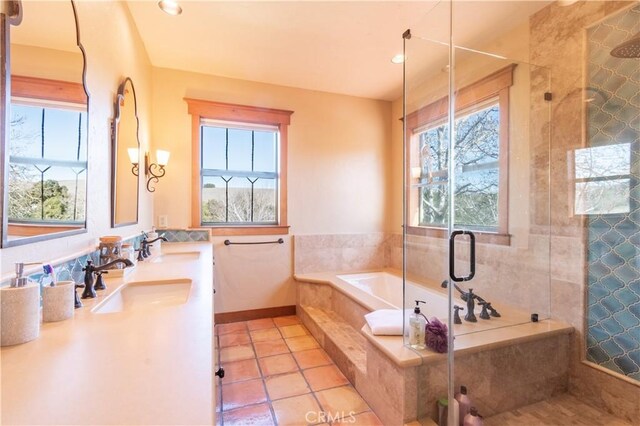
<point x="339" y="252"/>
<point x="558" y="37"/>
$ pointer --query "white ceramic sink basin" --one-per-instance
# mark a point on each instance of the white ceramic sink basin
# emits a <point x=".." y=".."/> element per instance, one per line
<point x="144" y="295"/>
<point x="176" y="257"/>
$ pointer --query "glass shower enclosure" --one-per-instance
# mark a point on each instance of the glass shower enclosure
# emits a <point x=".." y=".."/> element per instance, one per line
<point x="476" y="235"/>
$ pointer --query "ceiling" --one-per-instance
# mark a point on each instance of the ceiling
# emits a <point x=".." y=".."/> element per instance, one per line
<point x="336" y="46"/>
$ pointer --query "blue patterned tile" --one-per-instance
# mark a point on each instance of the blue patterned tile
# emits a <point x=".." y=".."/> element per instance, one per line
<point x="625" y="342"/>
<point x="626" y="364"/>
<point x="612" y="304"/>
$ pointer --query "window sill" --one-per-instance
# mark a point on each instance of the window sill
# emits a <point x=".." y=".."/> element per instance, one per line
<point x="248" y="230"/>
<point x="481" y="237"/>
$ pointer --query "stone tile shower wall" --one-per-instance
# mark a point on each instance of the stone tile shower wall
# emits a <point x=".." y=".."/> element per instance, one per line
<point x="613" y="117"/>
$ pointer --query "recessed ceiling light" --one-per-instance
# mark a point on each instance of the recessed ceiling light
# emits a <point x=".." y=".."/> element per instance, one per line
<point x="398" y="59"/>
<point x="170" y="7"/>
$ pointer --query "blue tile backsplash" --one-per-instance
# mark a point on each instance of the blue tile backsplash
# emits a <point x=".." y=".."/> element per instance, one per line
<point x="72" y="269"/>
<point x="613" y="253"/>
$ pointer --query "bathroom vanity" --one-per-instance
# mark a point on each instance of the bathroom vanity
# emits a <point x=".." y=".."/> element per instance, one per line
<point x="139" y="353"/>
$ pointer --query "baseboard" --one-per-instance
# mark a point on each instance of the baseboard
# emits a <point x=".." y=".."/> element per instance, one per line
<point x="279" y="311"/>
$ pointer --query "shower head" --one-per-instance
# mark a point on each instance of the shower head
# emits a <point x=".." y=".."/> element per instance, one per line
<point x="628" y="49"/>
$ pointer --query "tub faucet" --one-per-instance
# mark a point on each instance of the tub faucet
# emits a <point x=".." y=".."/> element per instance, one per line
<point x="469" y="297"/>
<point x="456" y="314"/>
<point x="89" y="270"/>
<point x="465" y="297"/>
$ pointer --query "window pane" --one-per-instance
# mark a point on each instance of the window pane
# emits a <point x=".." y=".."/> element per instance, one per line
<point x="214" y="144"/>
<point x="214" y="204"/>
<point x="265" y="152"/>
<point x="602" y="197"/>
<point x="264" y="201"/>
<point x="26" y="131"/>
<point x="39" y="193"/>
<point x="61" y="134"/>
<point x="240" y="150"/>
<point x="603" y="161"/>
<point x="477" y="150"/>
<point x="434" y="205"/>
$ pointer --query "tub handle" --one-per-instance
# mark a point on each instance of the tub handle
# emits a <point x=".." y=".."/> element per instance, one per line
<point x="452" y="256"/>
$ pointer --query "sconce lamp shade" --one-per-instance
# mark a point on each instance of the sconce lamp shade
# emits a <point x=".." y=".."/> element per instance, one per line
<point x="162" y="157"/>
<point x="134" y="155"/>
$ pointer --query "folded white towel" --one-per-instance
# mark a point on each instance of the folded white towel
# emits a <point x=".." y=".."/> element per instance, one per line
<point x="385" y="322"/>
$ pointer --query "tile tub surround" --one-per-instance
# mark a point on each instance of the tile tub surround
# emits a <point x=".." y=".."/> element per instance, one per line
<point x="336" y="252"/>
<point x="566" y="60"/>
<point x="276" y="373"/>
<point x="133" y="367"/>
<point x="401" y="385"/>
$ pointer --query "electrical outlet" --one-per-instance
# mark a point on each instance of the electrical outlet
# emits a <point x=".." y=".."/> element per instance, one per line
<point x="163" y="221"/>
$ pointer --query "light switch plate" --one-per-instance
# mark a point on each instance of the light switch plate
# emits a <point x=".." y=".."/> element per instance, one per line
<point x="163" y="221"/>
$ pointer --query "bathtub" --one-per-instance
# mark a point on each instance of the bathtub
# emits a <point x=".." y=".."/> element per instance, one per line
<point x="387" y="289"/>
<point x="383" y="290"/>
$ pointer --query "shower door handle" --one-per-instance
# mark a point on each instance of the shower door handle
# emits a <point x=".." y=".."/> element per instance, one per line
<point x="452" y="256"/>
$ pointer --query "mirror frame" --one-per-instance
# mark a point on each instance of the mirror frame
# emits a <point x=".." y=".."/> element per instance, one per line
<point x="114" y="152"/>
<point x="6" y="21"/>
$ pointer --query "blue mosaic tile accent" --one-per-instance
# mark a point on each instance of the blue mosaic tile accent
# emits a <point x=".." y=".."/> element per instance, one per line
<point x="184" y="236"/>
<point x="613" y="252"/>
<point x="72" y="269"/>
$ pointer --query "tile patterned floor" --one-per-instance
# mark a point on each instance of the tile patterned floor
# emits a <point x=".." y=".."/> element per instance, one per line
<point x="277" y="374"/>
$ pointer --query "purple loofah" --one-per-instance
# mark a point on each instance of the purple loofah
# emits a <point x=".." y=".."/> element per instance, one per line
<point x="436" y="335"/>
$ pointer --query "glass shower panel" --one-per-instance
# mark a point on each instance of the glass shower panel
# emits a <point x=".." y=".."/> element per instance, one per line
<point x="476" y="169"/>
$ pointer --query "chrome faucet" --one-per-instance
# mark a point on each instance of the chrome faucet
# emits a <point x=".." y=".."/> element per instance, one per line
<point x="89" y="289"/>
<point x="19" y="280"/>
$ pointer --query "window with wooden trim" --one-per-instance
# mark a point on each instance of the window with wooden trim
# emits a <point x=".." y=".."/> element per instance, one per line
<point x="481" y="160"/>
<point x="47" y="156"/>
<point x="239" y="184"/>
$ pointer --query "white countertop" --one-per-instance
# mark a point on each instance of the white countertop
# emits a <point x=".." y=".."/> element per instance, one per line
<point x="151" y="366"/>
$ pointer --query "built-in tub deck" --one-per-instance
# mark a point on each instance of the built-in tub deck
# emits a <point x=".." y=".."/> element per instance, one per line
<point x="393" y="378"/>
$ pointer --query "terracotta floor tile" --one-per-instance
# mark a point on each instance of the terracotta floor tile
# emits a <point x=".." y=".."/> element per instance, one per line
<point x="233" y="327"/>
<point x="234" y="339"/>
<point x="326" y="377"/>
<point x="284" y="321"/>
<point x="265" y="335"/>
<point x="241" y="370"/>
<point x="236" y="353"/>
<point x="299" y="410"/>
<point x="293" y="330"/>
<point x="257" y="415"/>
<point x="271" y="347"/>
<point x="235" y="395"/>
<point x="278" y="364"/>
<point x="341" y="400"/>
<point x="260" y="324"/>
<point x="365" y="419"/>
<point x="312" y="358"/>
<point x="286" y="385"/>
<point x="301" y="343"/>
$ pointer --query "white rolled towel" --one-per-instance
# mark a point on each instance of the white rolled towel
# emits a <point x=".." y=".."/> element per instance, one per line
<point x="385" y="322"/>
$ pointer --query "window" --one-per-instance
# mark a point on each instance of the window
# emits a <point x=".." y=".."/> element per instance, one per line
<point x="47" y="156"/>
<point x="481" y="160"/>
<point x="240" y="184"/>
<point x="602" y="179"/>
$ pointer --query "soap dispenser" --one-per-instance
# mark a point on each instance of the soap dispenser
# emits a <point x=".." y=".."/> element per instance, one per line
<point x="417" y="326"/>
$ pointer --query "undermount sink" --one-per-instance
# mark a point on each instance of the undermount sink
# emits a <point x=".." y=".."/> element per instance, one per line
<point x="176" y="257"/>
<point x="144" y="295"/>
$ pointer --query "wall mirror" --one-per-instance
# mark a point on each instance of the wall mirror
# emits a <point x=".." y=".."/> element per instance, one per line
<point x="125" y="157"/>
<point x="44" y="130"/>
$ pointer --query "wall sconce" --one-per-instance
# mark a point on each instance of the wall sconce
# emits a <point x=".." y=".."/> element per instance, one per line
<point x="152" y="171"/>
<point x="134" y="157"/>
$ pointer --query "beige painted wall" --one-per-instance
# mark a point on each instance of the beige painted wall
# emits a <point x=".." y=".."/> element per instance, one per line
<point x="337" y="183"/>
<point x="114" y="50"/>
<point x="338" y="148"/>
